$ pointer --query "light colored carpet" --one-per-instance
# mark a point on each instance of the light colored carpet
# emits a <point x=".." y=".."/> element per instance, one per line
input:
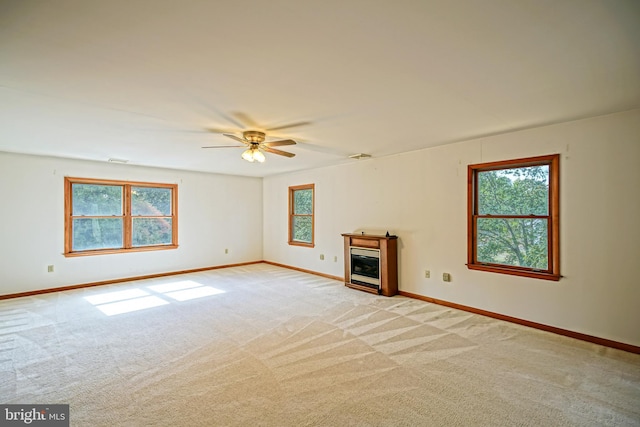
<point x="277" y="347"/>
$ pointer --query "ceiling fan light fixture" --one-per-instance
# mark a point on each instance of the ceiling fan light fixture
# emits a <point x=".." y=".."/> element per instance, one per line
<point x="248" y="155"/>
<point x="257" y="155"/>
<point x="253" y="154"/>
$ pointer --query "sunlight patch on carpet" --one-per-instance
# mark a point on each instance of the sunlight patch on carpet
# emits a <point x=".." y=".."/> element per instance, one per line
<point x="112" y="303"/>
<point x="185" y="290"/>
<point x="108" y="297"/>
<point x="130" y="305"/>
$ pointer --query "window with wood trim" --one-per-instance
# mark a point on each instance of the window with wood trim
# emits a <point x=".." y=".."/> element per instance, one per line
<point x="513" y="217"/>
<point x="301" y="215"/>
<point x="106" y="216"/>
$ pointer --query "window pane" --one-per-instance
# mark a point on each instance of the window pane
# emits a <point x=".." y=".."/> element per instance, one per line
<point x="97" y="233"/>
<point x="519" y="191"/>
<point x="303" y="202"/>
<point x="150" y="201"/>
<point x="516" y="242"/>
<point x="96" y="200"/>
<point x="302" y="229"/>
<point x="151" y="231"/>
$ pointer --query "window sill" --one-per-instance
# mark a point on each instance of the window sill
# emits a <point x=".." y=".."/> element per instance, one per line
<point x="515" y="272"/>
<point x="119" y="251"/>
<point x="307" y="245"/>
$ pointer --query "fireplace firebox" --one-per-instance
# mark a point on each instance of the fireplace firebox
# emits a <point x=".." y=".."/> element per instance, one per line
<point x="365" y="267"/>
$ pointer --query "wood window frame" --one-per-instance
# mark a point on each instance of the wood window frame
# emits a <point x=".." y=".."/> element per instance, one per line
<point x="553" y="217"/>
<point x="292" y="190"/>
<point x="126" y="216"/>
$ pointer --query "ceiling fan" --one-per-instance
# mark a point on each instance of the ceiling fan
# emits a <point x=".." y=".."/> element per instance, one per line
<point x="255" y="142"/>
<point x="254" y="139"/>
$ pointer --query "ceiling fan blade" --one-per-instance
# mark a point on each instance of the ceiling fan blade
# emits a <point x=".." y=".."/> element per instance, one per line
<point x="231" y="120"/>
<point x="278" y="152"/>
<point x="222" y="146"/>
<point x="323" y="149"/>
<point x="244" y="118"/>
<point x="279" y="143"/>
<point x="177" y="131"/>
<point x="218" y="130"/>
<point x="207" y="108"/>
<point x="288" y="126"/>
<point x="237" y="138"/>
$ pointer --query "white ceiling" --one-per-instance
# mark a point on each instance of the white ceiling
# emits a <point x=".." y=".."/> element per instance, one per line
<point x="141" y="79"/>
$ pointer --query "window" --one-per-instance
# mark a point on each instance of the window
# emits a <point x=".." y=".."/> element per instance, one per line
<point x="301" y="206"/>
<point x="513" y="217"/>
<point x="103" y="216"/>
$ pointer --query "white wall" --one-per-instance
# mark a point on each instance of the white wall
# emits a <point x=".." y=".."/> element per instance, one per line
<point x="211" y="217"/>
<point x="421" y="197"/>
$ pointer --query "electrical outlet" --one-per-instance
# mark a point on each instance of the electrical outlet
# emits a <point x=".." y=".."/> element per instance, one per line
<point x="427" y="274"/>
<point x="446" y="277"/>
<point x="335" y="258"/>
<point x="226" y="251"/>
<point x="322" y="257"/>
<point x="50" y="269"/>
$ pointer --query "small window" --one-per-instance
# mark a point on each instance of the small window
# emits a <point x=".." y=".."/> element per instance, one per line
<point x="513" y="217"/>
<point x="104" y="216"/>
<point x="301" y="208"/>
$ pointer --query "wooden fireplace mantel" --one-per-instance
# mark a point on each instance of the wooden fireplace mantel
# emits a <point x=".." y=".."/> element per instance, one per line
<point x="388" y="260"/>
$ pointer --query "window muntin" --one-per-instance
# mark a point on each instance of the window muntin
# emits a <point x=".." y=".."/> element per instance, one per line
<point x="105" y="216"/>
<point x="514" y="217"/>
<point x="301" y="215"/>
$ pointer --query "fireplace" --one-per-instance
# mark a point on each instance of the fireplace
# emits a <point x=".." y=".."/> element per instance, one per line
<point x="371" y="263"/>
<point x="365" y="267"/>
